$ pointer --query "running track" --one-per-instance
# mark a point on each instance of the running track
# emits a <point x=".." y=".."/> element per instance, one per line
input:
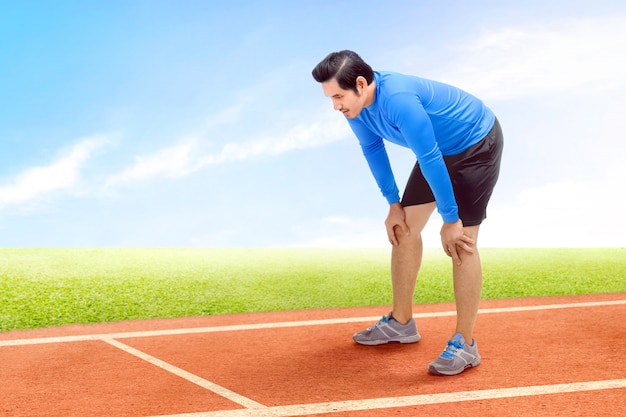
<point x="541" y="357"/>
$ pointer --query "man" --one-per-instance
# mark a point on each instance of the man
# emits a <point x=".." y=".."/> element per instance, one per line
<point x="458" y="144"/>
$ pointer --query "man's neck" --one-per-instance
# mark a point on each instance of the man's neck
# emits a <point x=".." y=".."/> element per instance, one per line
<point x="371" y="94"/>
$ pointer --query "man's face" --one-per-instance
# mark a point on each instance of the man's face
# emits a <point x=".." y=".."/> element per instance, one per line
<point x="345" y="101"/>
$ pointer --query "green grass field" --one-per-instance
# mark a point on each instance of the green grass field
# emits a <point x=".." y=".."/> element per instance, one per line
<point x="49" y="287"/>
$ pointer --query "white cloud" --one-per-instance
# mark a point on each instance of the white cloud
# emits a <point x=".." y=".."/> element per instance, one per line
<point x="299" y="137"/>
<point x="190" y="155"/>
<point x="172" y="162"/>
<point x="565" y="214"/>
<point x="62" y="174"/>
<point x="582" y="56"/>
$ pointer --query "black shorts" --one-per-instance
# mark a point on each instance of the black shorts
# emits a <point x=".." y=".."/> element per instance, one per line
<point x="474" y="173"/>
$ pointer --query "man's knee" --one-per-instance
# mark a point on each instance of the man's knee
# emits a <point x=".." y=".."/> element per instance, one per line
<point x="411" y="238"/>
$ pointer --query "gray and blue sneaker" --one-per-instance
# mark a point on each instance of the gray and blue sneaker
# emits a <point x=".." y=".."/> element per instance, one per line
<point x="456" y="357"/>
<point x="388" y="330"/>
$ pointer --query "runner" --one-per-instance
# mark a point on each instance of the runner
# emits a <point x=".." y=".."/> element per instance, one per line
<point x="457" y="141"/>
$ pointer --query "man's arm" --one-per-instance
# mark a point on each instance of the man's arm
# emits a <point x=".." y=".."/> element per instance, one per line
<point x="377" y="159"/>
<point x="376" y="155"/>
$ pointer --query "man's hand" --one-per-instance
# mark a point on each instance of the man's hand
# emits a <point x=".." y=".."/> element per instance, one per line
<point x="396" y="218"/>
<point x="454" y="239"/>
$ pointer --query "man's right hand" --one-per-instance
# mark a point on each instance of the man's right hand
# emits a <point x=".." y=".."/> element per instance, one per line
<point x="395" y="223"/>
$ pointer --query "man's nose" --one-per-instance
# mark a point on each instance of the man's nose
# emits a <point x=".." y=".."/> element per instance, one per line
<point x="337" y="105"/>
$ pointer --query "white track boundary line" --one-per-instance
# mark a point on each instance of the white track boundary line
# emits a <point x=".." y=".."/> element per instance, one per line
<point x="276" y="325"/>
<point x="411" y="401"/>
<point x="188" y="376"/>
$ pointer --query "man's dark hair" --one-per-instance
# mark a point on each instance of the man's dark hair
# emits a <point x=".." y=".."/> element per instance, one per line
<point x="345" y="67"/>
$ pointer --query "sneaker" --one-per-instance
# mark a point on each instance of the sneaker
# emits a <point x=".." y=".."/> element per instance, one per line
<point x="456" y="357"/>
<point x="388" y="330"/>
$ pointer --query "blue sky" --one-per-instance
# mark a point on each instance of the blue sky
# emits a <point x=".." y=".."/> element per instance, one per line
<point x="197" y="123"/>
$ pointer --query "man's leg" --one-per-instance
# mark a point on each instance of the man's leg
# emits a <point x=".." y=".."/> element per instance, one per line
<point x="468" y="280"/>
<point x="461" y="352"/>
<point x="406" y="259"/>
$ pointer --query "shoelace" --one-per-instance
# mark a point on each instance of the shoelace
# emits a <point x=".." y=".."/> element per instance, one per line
<point x="384" y="319"/>
<point x="451" y="349"/>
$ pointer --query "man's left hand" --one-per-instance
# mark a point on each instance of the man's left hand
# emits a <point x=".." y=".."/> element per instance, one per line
<point x="453" y="239"/>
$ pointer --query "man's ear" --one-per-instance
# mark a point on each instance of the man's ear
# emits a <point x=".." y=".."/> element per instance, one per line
<point x="361" y="83"/>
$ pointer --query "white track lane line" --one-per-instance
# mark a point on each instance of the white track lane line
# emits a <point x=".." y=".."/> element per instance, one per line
<point x="219" y="390"/>
<point x="411" y="401"/>
<point x="276" y="325"/>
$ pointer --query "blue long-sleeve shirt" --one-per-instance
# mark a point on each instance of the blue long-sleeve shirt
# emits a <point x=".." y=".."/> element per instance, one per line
<point x="432" y="119"/>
